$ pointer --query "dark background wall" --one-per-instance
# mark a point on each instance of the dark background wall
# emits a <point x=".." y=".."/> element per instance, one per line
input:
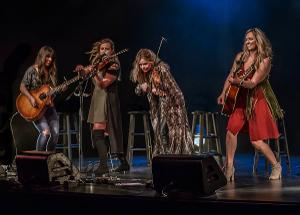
<point x="202" y="40"/>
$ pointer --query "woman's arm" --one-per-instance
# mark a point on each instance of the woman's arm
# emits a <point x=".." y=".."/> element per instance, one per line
<point x="109" y="77"/>
<point x="261" y="73"/>
<point x="106" y="81"/>
<point x="221" y="98"/>
<point x="24" y="90"/>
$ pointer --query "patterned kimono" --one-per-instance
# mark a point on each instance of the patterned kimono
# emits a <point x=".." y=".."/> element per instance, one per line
<point x="169" y="106"/>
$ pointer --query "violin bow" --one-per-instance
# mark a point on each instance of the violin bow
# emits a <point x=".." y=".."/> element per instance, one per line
<point x="158" y="50"/>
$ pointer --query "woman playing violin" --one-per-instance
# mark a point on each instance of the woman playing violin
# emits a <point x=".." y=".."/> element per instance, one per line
<point x="104" y="113"/>
<point x="167" y="105"/>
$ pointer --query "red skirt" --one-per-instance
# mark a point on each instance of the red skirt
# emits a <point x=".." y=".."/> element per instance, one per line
<point x="261" y="126"/>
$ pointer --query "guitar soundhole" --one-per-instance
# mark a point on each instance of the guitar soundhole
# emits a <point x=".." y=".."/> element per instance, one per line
<point x="42" y="96"/>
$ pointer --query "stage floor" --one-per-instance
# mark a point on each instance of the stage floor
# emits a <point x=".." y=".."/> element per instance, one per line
<point x="133" y="191"/>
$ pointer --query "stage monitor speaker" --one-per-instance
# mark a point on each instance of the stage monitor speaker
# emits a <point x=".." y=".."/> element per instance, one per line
<point x="44" y="168"/>
<point x="197" y="174"/>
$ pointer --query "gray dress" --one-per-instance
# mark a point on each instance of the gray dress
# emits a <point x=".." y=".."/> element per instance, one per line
<point x="98" y="110"/>
<point x="105" y="106"/>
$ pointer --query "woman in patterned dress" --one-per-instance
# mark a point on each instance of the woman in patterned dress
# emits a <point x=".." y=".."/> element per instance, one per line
<point x="167" y="106"/>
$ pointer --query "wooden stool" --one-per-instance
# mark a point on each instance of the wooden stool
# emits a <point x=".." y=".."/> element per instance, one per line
<point x="209" y="140"/>
<point x="66" y="130"/>
<point x="131" y="134"/>
<point x="281" y="150"/>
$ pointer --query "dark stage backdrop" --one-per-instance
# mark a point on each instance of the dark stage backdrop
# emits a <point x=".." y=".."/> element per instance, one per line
<point x="202" y="40"/>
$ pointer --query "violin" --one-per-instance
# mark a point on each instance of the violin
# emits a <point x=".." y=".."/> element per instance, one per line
<point x="155" y="77"/>
<point x="156" y="82"/>
<point x="92" y="70"/>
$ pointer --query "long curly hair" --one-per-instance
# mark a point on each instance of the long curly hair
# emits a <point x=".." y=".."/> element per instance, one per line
<point x="44" y="52"/>
<point x="264" y="47"/>
<point x="95" y="56"/>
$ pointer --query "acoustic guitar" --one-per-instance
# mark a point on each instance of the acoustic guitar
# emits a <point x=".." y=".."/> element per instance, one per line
<point x="43" y="97"/>
<point x="230" y="99"/>
<point x="233" y="91"/>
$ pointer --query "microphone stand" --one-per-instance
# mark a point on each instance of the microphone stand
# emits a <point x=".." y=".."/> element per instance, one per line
<point x="79" y="92"/>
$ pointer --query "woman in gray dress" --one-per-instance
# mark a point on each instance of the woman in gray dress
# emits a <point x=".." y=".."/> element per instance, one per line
<point x="104" y="113"/>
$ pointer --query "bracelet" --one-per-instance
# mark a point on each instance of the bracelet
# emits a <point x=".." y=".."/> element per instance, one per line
<point x="241" y="83"/>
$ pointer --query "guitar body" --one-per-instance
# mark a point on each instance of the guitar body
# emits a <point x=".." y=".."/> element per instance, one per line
<point x="25" y="108"/>
<point x="230" y="100"/>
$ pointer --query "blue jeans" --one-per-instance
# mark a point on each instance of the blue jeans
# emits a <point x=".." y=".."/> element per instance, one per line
<point x="49" y="122"/>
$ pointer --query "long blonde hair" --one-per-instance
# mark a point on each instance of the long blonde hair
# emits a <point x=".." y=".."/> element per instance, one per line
<point x="44" y="52"/>
<point x="137" y="75"/>
<point x="264" y="47"/>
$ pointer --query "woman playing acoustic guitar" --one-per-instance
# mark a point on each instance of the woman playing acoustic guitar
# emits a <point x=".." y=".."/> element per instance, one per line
<point x="255" y="107"/>
<point x="43" y="72"/>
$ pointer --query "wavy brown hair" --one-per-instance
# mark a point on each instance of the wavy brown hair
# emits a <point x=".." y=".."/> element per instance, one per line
<point x="264" y="47"/>
<point x="44" y="52"/>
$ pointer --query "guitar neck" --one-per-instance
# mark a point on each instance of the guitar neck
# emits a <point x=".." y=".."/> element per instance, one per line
<point x="65" y="84"/>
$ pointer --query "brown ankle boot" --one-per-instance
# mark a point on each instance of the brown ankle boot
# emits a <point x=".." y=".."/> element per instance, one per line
<point x="229" y="173"/>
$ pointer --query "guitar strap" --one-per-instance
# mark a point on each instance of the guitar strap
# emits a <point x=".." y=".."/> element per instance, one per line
<point x="240" y="63"/>
<point x="54" y="82"/>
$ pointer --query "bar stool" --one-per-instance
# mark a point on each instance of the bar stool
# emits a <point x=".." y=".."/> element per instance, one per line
<point x="204" y="130"/>
<point x="281" y="149"/>
<point x="67" y="131"/>
<point x="132" y="133"/>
